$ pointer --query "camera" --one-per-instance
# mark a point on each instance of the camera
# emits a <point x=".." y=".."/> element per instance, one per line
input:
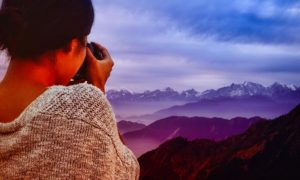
<point x="81" y="74"/>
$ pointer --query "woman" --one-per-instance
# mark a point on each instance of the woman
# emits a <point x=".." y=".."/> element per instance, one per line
<point x="49" y="129"/>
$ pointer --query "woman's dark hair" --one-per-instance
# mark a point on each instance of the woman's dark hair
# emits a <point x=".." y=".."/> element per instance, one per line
<point x="29" y="28"/>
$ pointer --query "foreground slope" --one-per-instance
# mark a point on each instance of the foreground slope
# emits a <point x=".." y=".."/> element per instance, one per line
<point x="267" y="150"/>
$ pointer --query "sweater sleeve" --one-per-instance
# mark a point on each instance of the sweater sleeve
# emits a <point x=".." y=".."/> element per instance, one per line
<point x="88" y="104"/>
<point x="100" y="114"/>
<point x="84" y="102"/>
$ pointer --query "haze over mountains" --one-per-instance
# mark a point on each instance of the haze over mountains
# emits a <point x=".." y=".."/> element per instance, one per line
<point x="247" y="100"/>
<point x="128" y="126"/>
<point x="146" y="138"/>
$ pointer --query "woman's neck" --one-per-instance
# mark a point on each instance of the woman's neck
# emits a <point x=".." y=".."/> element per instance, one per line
<point x="25" y="72"/>
<point x="23" y="82"/>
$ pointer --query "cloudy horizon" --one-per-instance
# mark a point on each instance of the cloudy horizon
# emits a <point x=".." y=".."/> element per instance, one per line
<point x="199" y="44"/>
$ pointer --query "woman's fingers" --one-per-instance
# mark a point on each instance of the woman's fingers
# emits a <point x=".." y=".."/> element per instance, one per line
<point x="98" y="71"/>
<point x="106" y="56"/>
<point x="103" y="50"/>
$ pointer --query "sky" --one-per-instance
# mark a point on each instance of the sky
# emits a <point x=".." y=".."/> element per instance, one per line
<point x="200" y="44"/>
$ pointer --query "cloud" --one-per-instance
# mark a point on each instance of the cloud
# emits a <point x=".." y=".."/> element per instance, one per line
<point x="256" y="21"/>
<point x="199" y="44"/>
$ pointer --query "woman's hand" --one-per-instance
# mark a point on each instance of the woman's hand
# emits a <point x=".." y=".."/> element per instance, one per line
<point x="98" y="71"/>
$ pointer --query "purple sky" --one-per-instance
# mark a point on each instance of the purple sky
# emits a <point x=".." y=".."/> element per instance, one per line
<point x="199" y="44"/>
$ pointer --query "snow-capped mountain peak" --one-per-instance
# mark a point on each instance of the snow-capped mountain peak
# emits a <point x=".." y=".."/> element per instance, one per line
<point x="292" y="87"/>
<point x="234" y="90"/>
<point x="190" y="93"/>
<point x="168" y="89"/>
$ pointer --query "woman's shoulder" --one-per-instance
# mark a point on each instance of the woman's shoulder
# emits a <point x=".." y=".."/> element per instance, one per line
<point x="84" y="102"/>
<point x="79" y="96"/>
<point x="81" y="102"/>
<point x="83" y="90"/>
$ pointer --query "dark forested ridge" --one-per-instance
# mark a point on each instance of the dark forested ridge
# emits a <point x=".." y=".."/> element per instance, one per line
<point x="267" y="150"/>
<point x="158" y="132"/>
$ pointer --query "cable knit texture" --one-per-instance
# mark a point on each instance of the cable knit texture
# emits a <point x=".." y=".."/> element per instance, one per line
<point x="66" y="132"/>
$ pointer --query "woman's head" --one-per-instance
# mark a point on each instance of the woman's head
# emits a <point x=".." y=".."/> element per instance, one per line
<point x="29" y="28"/>
<point x="47" y="29"/>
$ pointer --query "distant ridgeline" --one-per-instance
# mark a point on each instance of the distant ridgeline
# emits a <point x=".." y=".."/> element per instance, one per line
<point x="266" y="150"/>
<point x="247" y="89"/>
<point x="245" y="100"/>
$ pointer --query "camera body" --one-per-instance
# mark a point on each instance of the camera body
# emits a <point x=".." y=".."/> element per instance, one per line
<point x="81" y="74"/>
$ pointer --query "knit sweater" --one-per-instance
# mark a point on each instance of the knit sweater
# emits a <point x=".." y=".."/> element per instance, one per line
<point x="66" y="132"/>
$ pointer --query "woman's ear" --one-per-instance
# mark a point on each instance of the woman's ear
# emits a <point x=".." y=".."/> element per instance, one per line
<point x="71" y="46"/>
<point x="69" y="61"/>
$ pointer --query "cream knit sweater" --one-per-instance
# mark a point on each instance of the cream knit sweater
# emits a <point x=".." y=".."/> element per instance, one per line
<point x="66" y="132"/>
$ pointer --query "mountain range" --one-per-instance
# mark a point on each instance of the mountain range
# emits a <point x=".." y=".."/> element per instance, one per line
<point x="245" y="100"/>
<point x="266" y="150"/>
<point x="275" y="90"/>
